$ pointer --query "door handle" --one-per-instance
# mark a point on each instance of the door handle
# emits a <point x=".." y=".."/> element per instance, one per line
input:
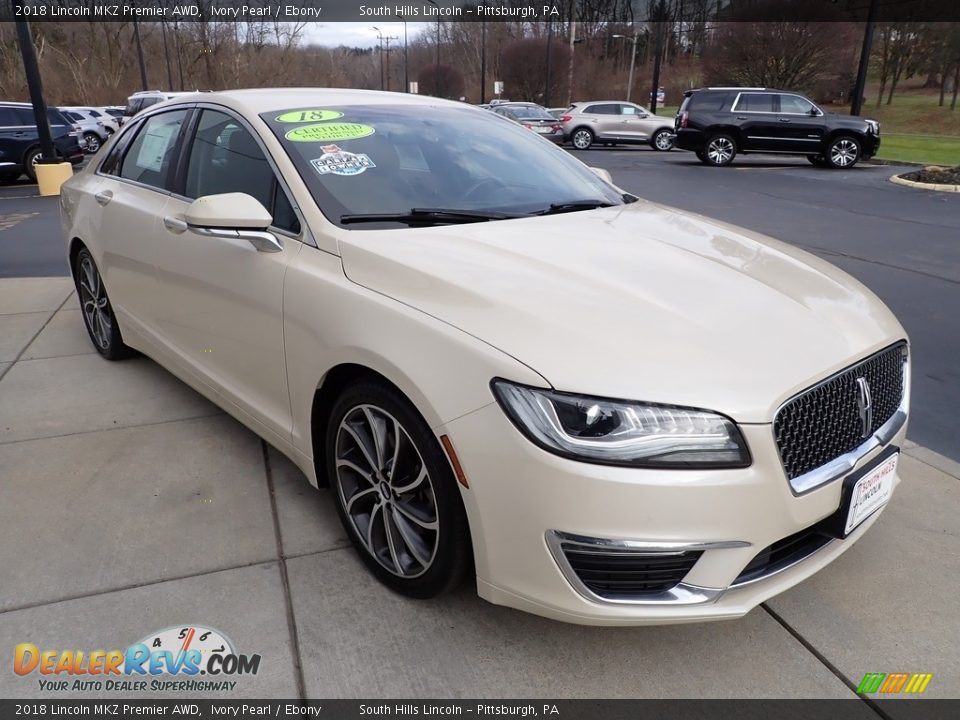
<point x="103" y="197"/>
<point x="784" y="119"/>
<point x="174" y="225"/>
<point x="741" y="117"/>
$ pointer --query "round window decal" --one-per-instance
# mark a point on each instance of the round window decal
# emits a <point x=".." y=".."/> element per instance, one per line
<point x="311" y="115"/>
<point x="325" y="132"/>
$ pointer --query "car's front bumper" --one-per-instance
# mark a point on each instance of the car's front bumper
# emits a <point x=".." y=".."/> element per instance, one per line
<point x="519" y="495"/>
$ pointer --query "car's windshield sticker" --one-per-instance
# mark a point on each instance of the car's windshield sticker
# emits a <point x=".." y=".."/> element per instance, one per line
<point x="325" y="132"/>
<point x="310" y="115"/>
<point x="335" y="161"/>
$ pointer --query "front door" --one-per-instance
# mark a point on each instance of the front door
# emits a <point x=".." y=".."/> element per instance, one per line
<point x="801" y="123"/>
<point x="222" y="304"/>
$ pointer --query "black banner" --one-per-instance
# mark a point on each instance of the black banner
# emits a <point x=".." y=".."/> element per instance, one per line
<point x="914" y="709"/>
<point x="475" y="10"/>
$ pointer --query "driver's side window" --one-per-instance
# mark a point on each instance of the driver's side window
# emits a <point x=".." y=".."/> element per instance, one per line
<point x="795" y="105"/>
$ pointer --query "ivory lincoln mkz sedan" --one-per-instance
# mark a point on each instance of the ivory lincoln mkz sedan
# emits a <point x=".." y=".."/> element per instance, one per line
<point x="607" y="410"/>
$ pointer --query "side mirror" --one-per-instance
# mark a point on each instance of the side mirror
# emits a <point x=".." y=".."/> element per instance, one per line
<point x="236" y="216"/>
<point x="815" y="112"/>
<point x="603" y="174"/>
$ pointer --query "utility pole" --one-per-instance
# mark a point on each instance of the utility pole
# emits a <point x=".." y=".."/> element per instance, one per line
<point x="546" y="88"/>
<point x="483" y="61"/>
<point x="406" y="62"/>
<point x="166" y="54"/>
<point x="436" y="75"/>
<point x="864" y="59"/>
<point x="32" y="72"/>
<point x="388" y="39"/>
<point x="143" y="67"/>
<point x="658" y="52"/>
<point x="573" y="42"/>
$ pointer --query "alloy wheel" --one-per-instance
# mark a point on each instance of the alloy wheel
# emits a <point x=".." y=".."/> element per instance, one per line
<point x="386" y="491"/>
<point x="93" y="302"/>
<point x="582" y="139"/>
<point x="93" y="142"/>
<point x="663" y="140"/>
<point x="844" y="153"/>
<point x="720" y="150"/>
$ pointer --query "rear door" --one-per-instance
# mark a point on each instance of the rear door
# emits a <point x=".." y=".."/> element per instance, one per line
<point x="131" y="190"/>
<point x="760" y="127"/>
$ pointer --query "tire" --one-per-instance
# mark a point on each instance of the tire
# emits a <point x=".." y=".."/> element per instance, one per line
<point x="98" y="317"/>
<point x="817" y="161"/>
<point x="410" y="531"/>
<point x="719" y="150"/>
<point x="93" y="142"/>
<point x="30" y="161"/>
<point x="663" y="140"/>
<point x="843" y="152"/>
<point x="582" y="138"/>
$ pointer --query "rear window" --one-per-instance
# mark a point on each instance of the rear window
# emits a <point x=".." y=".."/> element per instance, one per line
<point x="705" y="101"/>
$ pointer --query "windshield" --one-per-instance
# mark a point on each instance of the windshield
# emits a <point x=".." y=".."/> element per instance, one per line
<point x="530" y="112"/>
<point x="392" y="159"/>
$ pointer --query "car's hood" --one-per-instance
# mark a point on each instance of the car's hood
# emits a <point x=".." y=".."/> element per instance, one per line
<point x="639" y="302"/>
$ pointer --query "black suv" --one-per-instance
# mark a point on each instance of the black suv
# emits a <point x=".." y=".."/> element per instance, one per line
<point x="20" y="142"/>
<point x="718" y="123"/>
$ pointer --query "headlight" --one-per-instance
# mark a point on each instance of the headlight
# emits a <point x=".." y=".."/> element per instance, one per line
<point x="874" y="126"/>
<point x="618" y="432"/>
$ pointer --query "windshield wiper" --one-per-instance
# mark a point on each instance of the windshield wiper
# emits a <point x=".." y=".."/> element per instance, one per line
<point x="428" y="216"/>
<point x="573" y="206"/>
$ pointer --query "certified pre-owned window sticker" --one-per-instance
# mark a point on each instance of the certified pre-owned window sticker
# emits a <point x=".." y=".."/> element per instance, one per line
<point x="328" y="132"/>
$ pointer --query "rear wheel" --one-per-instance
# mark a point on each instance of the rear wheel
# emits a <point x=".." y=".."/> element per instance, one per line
<point x="30" y="163"/>
<point x="582" y="138"/>
<point x="719" y="151"/>
<point x="843" y="152"/>
<point x="663" y="140"/>
<point x="93" y="142"/>
<point x="395" y="491"/>
<point x="101" y="323"/>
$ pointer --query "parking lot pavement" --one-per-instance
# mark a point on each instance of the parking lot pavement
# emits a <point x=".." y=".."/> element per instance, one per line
<point x="129" y="504"/>
<point x="900" y="242"/>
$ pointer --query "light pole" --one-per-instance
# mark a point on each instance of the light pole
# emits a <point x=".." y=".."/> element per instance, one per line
<point x="546" y="89"/>
<point x="143" y="67"/>
<point x="406" y="75"/>
<point x="166" y="54"/>
<point x="436" y="74"/>
<point x="32" y="72"/>
<point x="633" y="59"/>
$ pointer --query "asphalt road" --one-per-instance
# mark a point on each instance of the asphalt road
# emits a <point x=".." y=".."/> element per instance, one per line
<point x="902" y="243"/>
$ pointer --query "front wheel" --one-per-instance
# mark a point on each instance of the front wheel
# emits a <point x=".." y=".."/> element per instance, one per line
<point x="395" y="492"/>
<point x="582" y="139"/>
<point x="719" y="151"/>
<point x="30" y="163"/>
<point x="101" y="323"/>
<point x="843" y="152"/>
<point x="663" y="140"/>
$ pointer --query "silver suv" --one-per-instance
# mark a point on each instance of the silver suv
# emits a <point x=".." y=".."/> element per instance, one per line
<point x="610" y="122"/>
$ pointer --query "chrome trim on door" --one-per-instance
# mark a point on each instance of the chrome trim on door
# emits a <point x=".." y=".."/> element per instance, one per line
<point x="262" y="240"/>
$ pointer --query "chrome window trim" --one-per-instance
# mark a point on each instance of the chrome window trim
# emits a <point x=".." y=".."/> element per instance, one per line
<point x="733" y="108"/>
<point x="844" y="464"/>
<point x="681" y="594"/>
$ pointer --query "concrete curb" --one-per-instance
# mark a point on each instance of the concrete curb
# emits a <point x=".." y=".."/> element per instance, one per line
<point x="924" y="186"/>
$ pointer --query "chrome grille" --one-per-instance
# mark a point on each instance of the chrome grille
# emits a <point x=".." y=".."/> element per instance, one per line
<point x="824" y="422"/>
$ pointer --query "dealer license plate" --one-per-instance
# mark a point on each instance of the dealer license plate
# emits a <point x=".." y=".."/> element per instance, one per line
<point x="870" y="492"/>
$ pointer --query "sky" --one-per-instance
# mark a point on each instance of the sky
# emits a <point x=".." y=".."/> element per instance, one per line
<point x="357" y="34"/>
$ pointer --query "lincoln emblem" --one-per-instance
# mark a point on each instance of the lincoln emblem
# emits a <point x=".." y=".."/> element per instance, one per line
<point x="865" y="405"/>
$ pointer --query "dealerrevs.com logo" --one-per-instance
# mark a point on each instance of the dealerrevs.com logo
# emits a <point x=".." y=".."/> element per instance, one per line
<point x="173" y="659"/>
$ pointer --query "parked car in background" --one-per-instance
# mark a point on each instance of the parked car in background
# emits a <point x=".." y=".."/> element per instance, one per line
<point x="20" y="141"/>
<point x="613" y="122"/>
<point x="533" y="117"/>
<point x="145" y="98"/>
<point x="506" y="369"/>
<point x="116" y="112"/>
<point x="720" y="122"/>
<point x="96" y="125"/>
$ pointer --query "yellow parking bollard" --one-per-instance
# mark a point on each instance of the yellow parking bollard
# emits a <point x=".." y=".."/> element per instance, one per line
<point x="51" y="177"/>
